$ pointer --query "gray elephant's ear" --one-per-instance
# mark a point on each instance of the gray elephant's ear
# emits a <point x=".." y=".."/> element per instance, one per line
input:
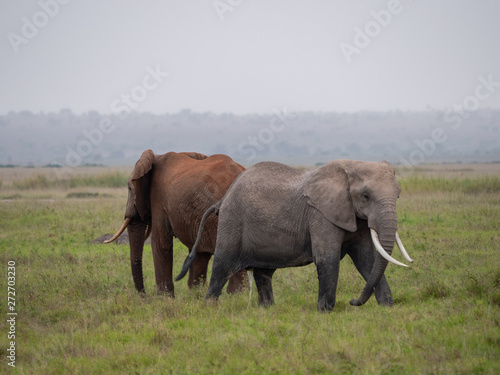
<point x="141" y="182"/>
<point x="327" y="190"/>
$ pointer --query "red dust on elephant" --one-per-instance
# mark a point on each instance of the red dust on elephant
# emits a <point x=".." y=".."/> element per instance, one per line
<point x="167" y="197"/>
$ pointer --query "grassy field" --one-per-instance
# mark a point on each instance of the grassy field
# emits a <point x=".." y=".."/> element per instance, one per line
<point x="78" y="312"/>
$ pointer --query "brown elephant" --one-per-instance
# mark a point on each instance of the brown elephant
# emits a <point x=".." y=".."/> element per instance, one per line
<point x="168" y="195"/>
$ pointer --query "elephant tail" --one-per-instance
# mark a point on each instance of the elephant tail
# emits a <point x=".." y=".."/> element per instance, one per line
<point x="190" y="258"/>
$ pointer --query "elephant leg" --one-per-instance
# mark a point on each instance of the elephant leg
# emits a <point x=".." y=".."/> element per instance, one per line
<point x="163" y="260"/>
<point x="263" y="281"/>
<point x="363" y="257"/>
<point x="238" y="282"/>
<point x="226" y="260"/>
<point x="328" y="275"/>
<point x="383" y="293"/>
<point x="221" y="271"/>
<point x="326" y="244"/>
<point x="198" y="270"/>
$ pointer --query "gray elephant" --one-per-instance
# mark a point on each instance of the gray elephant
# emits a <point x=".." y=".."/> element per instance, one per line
<point x="274" y="216"/>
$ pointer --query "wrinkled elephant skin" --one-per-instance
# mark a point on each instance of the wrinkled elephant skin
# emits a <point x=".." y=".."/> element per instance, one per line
<point x="168" y="195"/>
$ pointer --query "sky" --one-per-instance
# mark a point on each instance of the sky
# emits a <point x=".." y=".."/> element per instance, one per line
<point x="244" y="56"/>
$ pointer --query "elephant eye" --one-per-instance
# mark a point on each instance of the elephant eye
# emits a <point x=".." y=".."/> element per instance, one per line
<point x="366" y="196"/>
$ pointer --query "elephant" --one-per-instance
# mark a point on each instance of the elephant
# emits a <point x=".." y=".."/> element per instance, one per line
<point x="167" y="195"/>
<point x="275" y="216"/>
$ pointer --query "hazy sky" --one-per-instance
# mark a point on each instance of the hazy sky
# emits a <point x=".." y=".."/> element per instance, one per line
<point x="247" y="56"/>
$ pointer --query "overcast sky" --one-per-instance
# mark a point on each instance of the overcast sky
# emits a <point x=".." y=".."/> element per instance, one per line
<point x="247" y="56"/>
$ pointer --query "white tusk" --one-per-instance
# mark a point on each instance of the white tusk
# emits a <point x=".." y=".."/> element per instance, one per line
<point x="148" y="232"/>
<point x="402" y="248"/>
<point x="381" y="250"/>
<point x="120" y="231"/>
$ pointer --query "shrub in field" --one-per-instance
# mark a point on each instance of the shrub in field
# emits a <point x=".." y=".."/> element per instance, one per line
<point x="110" y="179"/>
<point x="82" y="195"/>
<point x="36" y="182"/>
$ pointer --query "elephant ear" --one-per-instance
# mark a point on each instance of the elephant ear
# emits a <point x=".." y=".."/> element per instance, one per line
<point x="327" y="190"/>
<point x="141" y="182"/>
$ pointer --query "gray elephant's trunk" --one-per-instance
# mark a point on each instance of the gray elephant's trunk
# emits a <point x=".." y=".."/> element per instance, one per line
<point x="136" y="231"/>
<point x="386" y="230"/>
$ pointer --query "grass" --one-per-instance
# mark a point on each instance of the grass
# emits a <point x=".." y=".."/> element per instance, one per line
<point x="483" y="184"/>
<point x="41" y="181"/>
<point x="78" y="312"/>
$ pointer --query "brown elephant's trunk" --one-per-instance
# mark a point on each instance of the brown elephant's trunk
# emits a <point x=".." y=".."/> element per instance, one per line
<point x="384" y="233"/>
<point x="136" y="237"/>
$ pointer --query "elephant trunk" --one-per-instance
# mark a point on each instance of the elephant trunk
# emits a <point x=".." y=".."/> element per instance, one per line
<point x="136" y="236"/>
<point x="385" y="235"/>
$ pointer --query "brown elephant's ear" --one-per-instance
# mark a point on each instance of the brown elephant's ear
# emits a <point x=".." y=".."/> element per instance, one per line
<point x="141" y="182"/>
<point x="328" y="191"/>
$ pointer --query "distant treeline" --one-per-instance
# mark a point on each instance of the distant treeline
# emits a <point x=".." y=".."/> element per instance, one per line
<point x="305" y="138"/>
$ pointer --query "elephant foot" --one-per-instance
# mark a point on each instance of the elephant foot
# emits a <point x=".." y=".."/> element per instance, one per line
<point x="211" y="301"/>
<point x="324" y="305"/>
<point x="387" y="303"/>
<point x="266" y="303"/>
<point x="263" y="280"/>
<point x="168" y="293"/>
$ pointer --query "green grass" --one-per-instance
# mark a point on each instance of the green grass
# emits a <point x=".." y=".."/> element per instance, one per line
<point x="41" y="181"/>
<point x="483" y="184"/>
<point x="78" y="312"/>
